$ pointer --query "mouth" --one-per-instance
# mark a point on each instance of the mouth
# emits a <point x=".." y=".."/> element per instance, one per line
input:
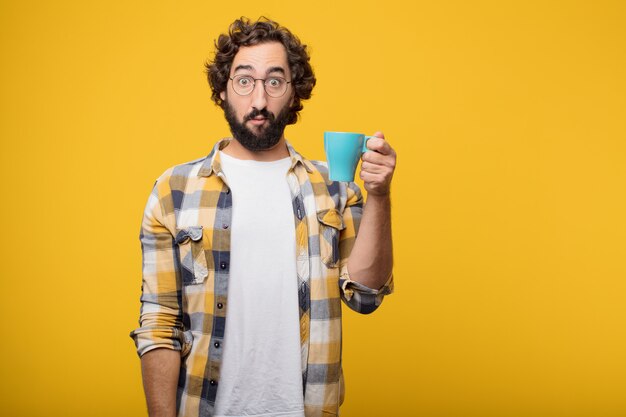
<point x="258" y="121"/>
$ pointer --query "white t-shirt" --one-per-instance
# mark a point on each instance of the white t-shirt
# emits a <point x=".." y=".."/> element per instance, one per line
<point x="261" y="371"/>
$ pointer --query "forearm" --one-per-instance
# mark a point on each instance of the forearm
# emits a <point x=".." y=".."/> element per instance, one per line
<point x="371" y="260"/>
<point x="160" y="368"/>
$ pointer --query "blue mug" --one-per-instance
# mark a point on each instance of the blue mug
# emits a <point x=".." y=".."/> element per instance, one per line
<point x="343" y="151"/>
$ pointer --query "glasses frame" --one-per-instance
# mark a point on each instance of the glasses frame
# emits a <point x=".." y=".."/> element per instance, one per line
<point x="254" y="86"/>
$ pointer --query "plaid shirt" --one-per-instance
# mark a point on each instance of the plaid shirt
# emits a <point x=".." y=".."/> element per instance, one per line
<point x="185" y="238"/>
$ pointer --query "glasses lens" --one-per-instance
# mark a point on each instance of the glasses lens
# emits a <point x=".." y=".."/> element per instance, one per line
<point x="275" y="86"/>
<point x="243" y="84"/>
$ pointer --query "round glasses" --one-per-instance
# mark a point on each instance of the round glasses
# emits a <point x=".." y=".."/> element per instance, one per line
<point x="274" y="86"/>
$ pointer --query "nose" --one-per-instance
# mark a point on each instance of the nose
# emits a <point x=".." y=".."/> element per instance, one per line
<point x="259" y="96"/>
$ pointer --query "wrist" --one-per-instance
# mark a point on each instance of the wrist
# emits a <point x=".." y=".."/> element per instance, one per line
<point x="378" y="198"/>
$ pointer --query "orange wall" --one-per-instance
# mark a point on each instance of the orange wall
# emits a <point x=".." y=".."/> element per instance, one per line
<point x="508" y="202"/>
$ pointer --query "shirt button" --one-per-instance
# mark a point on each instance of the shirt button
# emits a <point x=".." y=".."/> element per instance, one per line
<point x="223" y="265"/>
<point x="224" y="226"/>
<point x="216" y="344"/>
<point x="213" y="382"/>
<point x="228" y="191"/>
<point x="220" y="305"/>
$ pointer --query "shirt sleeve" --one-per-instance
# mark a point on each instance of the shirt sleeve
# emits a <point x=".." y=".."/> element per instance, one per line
<point x="357" y="296"/>
<point x="160" y="318"/>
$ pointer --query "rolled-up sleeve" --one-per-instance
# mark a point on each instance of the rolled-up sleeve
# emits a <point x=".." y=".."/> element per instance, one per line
<point x="357" y="296"/>
<point x="160" y="318"/>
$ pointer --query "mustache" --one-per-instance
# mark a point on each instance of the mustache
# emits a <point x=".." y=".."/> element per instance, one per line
<point x="263" y="112"/>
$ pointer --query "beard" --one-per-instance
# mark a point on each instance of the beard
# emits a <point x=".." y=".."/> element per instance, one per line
<point x="267" y="137"/>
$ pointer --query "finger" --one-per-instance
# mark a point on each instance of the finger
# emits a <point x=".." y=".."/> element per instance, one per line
<point x="379" y="145"/>
<point x="383" y="170"/>
<point x="368" y="177"/>
<point x="374" y="168"/>
<point x="372" y="179"/>
<point x="379" y="159"/>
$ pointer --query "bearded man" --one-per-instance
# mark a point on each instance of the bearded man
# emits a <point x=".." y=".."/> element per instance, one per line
<point x="249" y="251"/>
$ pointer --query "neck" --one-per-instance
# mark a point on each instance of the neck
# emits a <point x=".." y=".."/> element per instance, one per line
<point x="236" y="150"/>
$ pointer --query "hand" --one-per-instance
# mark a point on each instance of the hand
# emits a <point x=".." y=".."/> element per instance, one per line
<point x="377" y="167"/>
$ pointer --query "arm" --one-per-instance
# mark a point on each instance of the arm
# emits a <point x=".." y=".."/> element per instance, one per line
<point x="160" y="369"/>
<point x="160" y="338"/>
<point x="371" y="260"/>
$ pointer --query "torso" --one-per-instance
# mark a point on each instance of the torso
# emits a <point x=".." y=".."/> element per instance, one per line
<point x="261" y="370"/>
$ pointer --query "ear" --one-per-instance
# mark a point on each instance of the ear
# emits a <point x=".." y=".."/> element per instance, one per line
<point x="223" y="95"/>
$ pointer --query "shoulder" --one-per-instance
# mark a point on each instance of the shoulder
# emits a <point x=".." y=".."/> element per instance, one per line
<point x="181" y="172"/>
<point x="170" y="187"/>
<point x="341" y="192"/>
<point x="321" y="167"/>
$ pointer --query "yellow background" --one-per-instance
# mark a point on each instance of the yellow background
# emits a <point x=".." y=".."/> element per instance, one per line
<point x="509" y="119"/>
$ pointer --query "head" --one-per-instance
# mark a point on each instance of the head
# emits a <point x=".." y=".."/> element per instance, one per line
<point x="260" y="50"/>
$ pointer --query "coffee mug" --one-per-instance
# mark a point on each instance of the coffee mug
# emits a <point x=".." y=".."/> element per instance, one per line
<point x="343" y="151"/>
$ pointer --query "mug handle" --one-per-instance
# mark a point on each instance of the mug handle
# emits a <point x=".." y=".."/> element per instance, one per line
<point x="365" y="143"/>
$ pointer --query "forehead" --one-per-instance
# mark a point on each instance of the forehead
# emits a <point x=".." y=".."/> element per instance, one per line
<point x="261" y="57"/>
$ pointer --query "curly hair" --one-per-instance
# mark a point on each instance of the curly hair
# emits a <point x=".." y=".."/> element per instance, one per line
<point x="242" y="32"/>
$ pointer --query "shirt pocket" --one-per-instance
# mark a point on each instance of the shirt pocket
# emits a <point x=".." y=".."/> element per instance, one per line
<point x="192" y="258"/>
<point x="330" y="224"/>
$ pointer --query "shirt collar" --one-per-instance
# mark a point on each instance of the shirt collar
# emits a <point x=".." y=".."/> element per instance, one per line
<point x="212" y="164"/>
<point x="296" y="159"/>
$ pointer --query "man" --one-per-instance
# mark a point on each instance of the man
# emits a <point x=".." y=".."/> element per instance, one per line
<point x="248" y="251"/>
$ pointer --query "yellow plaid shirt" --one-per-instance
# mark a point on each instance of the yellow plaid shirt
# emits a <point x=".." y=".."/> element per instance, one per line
<point x="185" y="239"/>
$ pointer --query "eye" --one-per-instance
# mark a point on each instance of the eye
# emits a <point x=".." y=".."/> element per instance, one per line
<point x="244" y="81"/>
<point x="274" y="82"/>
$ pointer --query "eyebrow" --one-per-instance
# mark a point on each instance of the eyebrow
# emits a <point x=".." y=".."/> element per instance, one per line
<point x="243" y="67"/>
<point x="276" y="69"/>
<point x="270" y="70"/>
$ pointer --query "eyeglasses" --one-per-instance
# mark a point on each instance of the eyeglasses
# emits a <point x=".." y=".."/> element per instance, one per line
<point x="274" y="86"/>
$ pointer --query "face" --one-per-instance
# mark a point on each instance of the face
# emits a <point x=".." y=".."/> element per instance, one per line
<point x="257" y="120"/>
